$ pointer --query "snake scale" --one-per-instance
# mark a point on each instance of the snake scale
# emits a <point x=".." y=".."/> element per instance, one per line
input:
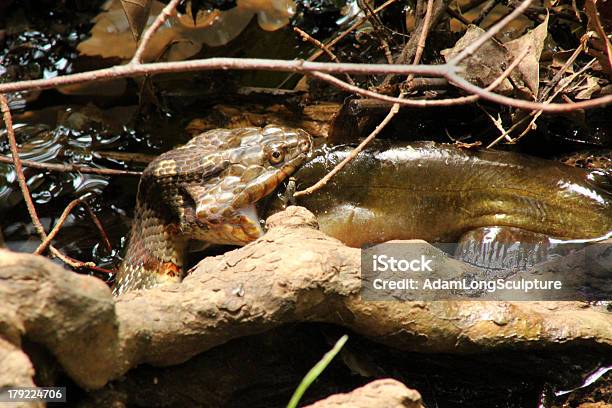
<point x="205" y="191"/>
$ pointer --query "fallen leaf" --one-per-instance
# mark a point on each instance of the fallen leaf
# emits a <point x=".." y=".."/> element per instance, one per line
<point x="587" y="90"/>
<point x="602" y="42"/>
<point x="114" y="32"/>
<point x="486" y="64"/>
<point x="560" y="58"/>
<point x="529" y="67"/>
<point x="137" y="13"/>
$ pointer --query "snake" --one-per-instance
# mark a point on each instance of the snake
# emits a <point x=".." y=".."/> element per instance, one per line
<point x="205" y="191"/>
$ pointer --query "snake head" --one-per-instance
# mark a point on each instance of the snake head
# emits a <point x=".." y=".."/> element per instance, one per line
<point x="243" y="169"/>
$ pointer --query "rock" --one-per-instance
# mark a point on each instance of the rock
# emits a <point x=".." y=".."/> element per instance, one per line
<point x="386" y="393"/>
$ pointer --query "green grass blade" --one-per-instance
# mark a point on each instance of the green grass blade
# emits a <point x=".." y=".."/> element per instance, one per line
<point x="315" y="371"/>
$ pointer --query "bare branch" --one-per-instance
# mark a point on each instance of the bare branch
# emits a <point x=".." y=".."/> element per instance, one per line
<point x="322" y="71"/>
<point x="148" y="34"/>
<point x="8" y="122"/>
<point x="62" y="219"/>
<point x="307" y="37"/>
<point x="528" y="105"/>
<point x="316" y="69"/>
<point x="71" y="168"/>
<point x="423" y="103"/>
<point x="209" y="64"/>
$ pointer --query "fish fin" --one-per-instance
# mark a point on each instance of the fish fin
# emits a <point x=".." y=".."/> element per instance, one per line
<point x="505" y="249"/>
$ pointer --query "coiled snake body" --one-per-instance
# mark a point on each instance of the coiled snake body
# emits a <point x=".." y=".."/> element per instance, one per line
<point x="205" y="191"/>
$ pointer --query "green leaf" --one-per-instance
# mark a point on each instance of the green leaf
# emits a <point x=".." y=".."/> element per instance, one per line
<point x="315" y="371"/>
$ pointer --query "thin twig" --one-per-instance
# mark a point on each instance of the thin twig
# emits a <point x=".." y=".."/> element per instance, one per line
<point x="593" y="14"/>
<point x="349" y="30"/>
<point x="537" y="114"/>
<point x="410" y="47"/>
<point x="62" y="219"/>
<point x="342" y="35"/>
<point x="71" y="168"/>
<point x="505" y="134"/>
<point x="45" y="242"/>
<point x="307" y="37"/>
<point x="496" y="122"/>
<point x="424" y="33"/>
<point x="486" y="9"/>
<point x="23" y="185"/>
<point x="99" y="226"/>
<point x="321" y="183"/>
<point x="148" y="34"/>
<point x="422" y="37"/>
<point x="80" y="265"/>
<point x="555" y="80"/>
<point x="392" y="112"/>
<point x="386" y="50"/>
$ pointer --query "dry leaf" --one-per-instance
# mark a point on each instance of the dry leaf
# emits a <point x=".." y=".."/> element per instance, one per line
<point x="486" y="64"/>
<point x="591" y="87"/>
<point x="179" y="39"/>
<point x="529" y="67"/>
<point x="560" y="58"/>
<point x="137" y="13"/>
<point x="602" y="43"/>
<point x="489" y="61"/>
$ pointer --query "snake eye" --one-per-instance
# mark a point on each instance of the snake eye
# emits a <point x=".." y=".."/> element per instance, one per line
<point x="276" y="156"/>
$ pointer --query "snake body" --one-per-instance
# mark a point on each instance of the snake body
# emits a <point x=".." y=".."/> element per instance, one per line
<point x="205" y="191"/>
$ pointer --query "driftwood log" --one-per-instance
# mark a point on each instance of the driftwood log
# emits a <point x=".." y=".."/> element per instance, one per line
<point x="294" y="273"/>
